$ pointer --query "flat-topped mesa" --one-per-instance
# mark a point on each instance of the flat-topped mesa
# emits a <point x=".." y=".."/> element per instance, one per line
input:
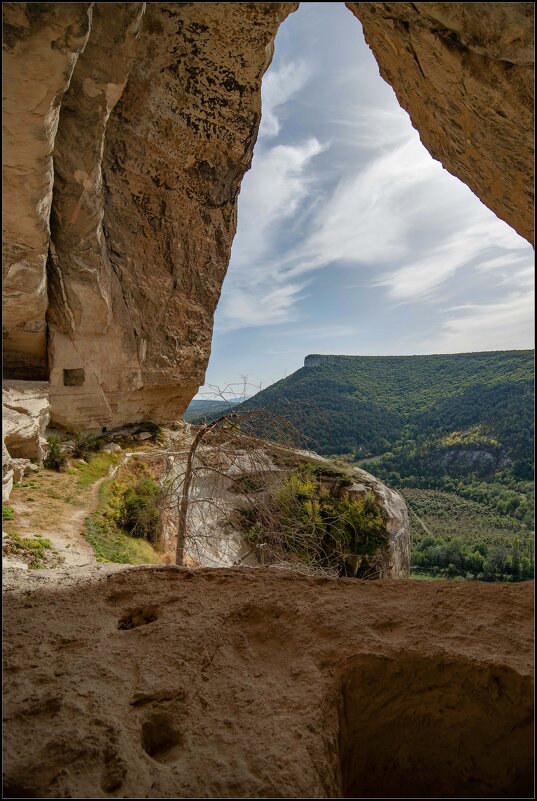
<point x="129" y="129"/>
<point x="316" y="359"/>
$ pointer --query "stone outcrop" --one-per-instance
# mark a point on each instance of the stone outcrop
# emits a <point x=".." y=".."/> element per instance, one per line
<point x="214" y="540"/>
<point x="156" y="130"/>
<point x="128" y="129"/>
<point x="256" y="683"/>
<point x="42" y="42"/>
<point x="465" y="74"/>
<point x="394" y="560"/>
<point x="26" y="414"/>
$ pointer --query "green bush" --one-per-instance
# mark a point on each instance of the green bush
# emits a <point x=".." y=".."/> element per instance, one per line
<point x="307" y="520"/>
<point x="138" y="511"/>
<point x="7" y="513"/>
<point x="56" y="458"/>
<point x="86" y="444"/>
<point x="33" y="548"/>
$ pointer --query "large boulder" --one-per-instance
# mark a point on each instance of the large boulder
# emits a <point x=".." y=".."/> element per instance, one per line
<point x="26" y="414"/>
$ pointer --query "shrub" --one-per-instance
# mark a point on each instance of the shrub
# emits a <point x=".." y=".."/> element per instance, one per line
<point x="33" y="548"/>
<point x="301" y="518"/>
<point x="139" y="513"/>
<point x="56" y="458"/>
<point x="86" y="444"/>
<point x="7" y="513"/>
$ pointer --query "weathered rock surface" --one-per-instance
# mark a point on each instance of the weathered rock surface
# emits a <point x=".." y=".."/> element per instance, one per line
<point x="156" y="130"/>
<point x="465" y="74"/>
<point x="128" y="132"/>
<point x="394" y="560"/>
<point x="41" y="43"/>
<point x="170" y="683"/>
<point x="25" y="416"/>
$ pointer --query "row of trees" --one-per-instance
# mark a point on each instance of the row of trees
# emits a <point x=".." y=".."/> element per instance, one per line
<point x="507" y="561"/>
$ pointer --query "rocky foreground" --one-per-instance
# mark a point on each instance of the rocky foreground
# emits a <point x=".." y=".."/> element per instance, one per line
<point x="165" y="682"/>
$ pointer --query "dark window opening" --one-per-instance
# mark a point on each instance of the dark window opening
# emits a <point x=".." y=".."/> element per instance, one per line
<point x="73" y="378"/>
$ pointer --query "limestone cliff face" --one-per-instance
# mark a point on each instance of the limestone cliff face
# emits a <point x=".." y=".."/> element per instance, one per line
<point x="157" y="127"/>
<point x="464" y="73"/>
<point x="42" y="42"/>
<point x="128" y="130"/>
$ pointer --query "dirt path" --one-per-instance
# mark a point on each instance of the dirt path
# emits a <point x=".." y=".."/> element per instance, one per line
<point x="66" y="537"/>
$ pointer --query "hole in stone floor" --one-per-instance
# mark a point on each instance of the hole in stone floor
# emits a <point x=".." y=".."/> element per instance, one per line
<point x="138" y="617"/>
<point x="160" y="739"/>
<point x="429" y="727"/>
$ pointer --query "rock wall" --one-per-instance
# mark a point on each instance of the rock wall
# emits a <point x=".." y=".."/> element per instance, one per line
<point x="157" y="127"/>
<point x="41" y="45"/>
<point x="128" y="129"/>
<point x="255" y="683"/>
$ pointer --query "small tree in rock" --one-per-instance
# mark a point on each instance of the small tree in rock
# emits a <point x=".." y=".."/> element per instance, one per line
<point x="286" y="506"/>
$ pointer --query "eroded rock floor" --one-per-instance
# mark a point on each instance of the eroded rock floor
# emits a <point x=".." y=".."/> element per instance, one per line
<point x="165" y="682"/>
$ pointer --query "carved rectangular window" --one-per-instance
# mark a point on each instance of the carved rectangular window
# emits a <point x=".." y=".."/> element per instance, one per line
<point x="73" y="378"/>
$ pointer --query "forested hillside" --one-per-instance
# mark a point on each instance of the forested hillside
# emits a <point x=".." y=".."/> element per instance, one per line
<point x="458" y="424"/>
<point x="200" y="411"/>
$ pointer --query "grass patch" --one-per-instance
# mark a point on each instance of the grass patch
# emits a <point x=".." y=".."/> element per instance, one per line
<point x="98" y="467"/>
<point x="54" y="494"/>
<point x="7" y="513"/>
<point x="110" y="544"/>
<point x="32" y="548"/>
<point x="102" y="529"/>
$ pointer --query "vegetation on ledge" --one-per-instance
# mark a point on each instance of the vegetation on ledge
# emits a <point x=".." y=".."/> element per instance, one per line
<point x="127" y="526"/>
<point x="304" y="515"/>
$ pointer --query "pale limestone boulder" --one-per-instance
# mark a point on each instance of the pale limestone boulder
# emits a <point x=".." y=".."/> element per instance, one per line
<point x="25" y="414"/>
<point x="112" y="447"/>
<point x="394" y="562"/>
<point x="7" y="474"/>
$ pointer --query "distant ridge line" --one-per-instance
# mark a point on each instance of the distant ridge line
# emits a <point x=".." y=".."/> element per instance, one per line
<point x="316" y="359"/>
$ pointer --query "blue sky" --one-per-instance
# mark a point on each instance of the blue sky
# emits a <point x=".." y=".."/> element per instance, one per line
<point x="351" y="239"/>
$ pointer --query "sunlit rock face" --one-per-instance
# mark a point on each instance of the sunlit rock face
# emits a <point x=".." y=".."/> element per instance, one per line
<point x="128" y="129"/>
<point x="156" y="129"/>
<point x="25" y="416"/>
<point x="464" y="73"/>
<point x="41" y="44"/>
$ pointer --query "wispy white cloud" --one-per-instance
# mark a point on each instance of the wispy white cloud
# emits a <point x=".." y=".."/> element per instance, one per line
<point x="257" y="293"/>
<point x="467" y="245"/>
<point x="279" y="86"/>
<point x="404" y="209"/>
<point x="259" y="304"/>
<point x="505" y="324"/>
